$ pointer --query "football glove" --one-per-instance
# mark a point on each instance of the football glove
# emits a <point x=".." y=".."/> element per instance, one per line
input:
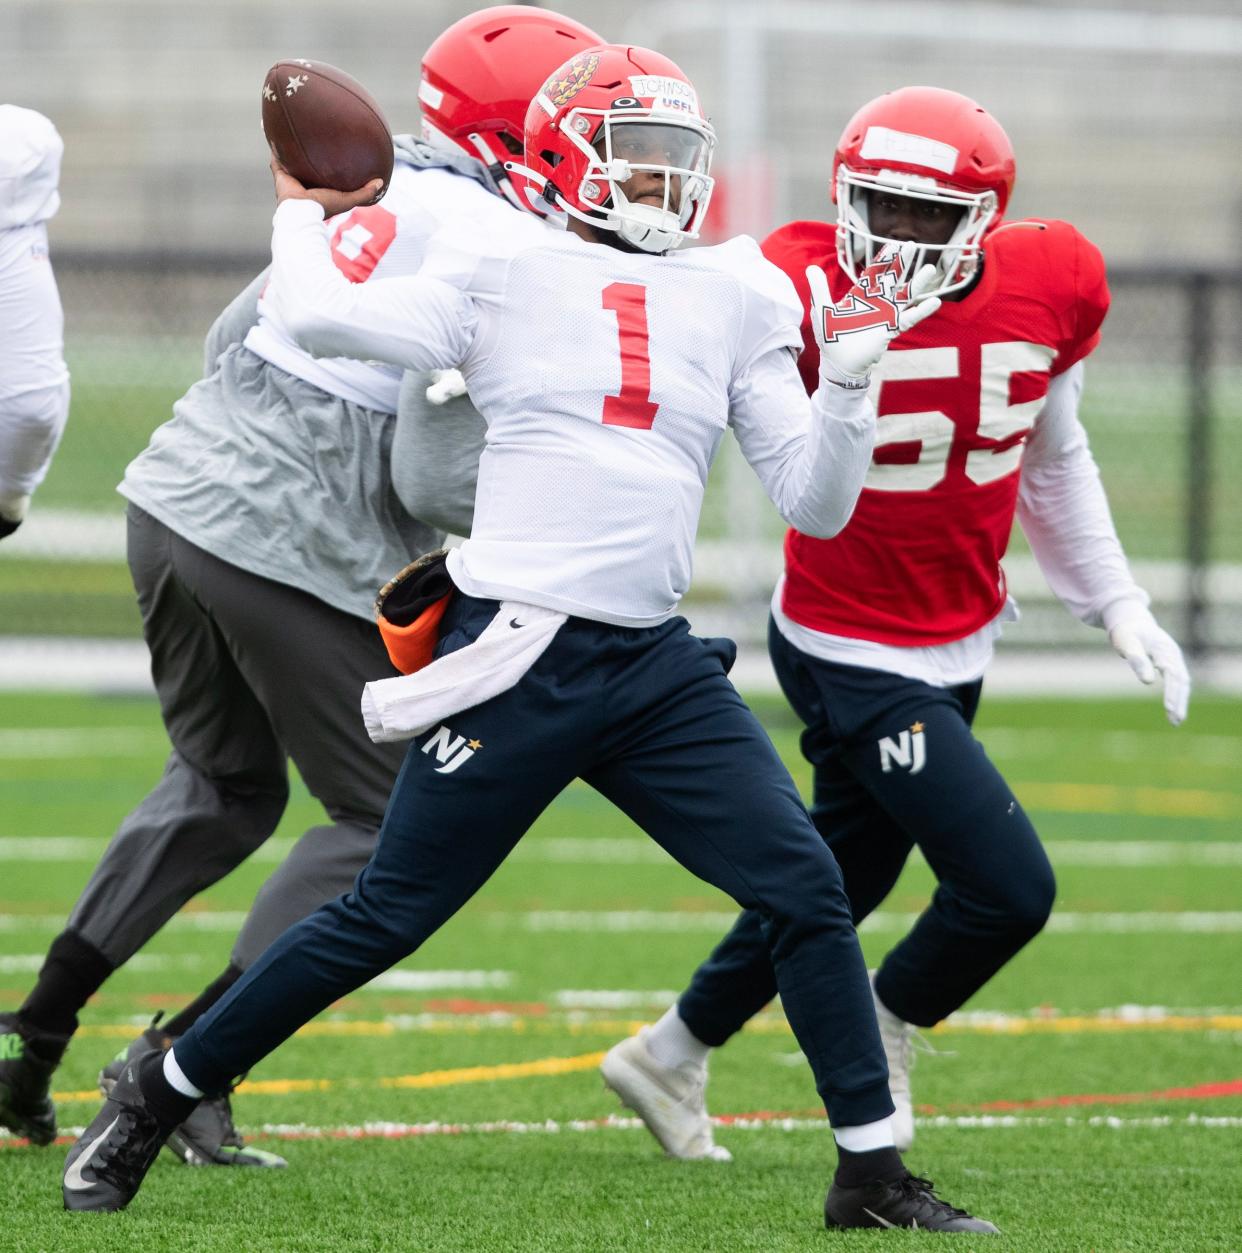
<point x="854" y="331"/>
<point x="1149" y="650"/>
<point x="409" y="607"/>
<point x="445" y="385"/>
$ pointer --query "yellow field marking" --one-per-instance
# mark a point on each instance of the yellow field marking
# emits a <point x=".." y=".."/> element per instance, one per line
<point x="428" y="1079"/>
<point x="1084" y="1025"/>
<point x="1151" y="802"/>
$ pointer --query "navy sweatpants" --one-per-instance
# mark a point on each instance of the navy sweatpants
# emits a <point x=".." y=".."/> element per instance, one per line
<point x="896" y="765"/>
<point x="649" y="719"/>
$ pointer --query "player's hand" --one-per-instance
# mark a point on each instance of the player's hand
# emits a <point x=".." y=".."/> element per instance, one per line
<point x="445" y="385"/>
<point x="333" y="202"/>
<point x="1150" y="650"/>
<point x="853" y="332"/>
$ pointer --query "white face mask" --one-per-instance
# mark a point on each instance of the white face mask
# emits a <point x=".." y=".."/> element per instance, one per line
<point x="635" y="142"/>
<point x="958" y="260"/>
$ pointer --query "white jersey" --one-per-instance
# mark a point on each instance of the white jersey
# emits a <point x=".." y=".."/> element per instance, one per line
<point x="384" y="240"/>
<point x="34" y="382"/>
<point x="607" y="380"/>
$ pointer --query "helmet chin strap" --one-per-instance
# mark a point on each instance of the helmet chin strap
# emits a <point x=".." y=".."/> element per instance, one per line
<point x="645" y="227"/>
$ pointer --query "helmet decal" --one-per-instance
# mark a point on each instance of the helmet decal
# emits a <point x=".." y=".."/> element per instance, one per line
<point x="882" y="144"/>
<point x="571" y="78"/>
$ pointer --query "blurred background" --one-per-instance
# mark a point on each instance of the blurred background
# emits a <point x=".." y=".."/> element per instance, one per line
<point x="1124" y="120"/>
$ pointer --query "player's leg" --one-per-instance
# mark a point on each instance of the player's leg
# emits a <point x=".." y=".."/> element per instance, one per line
<point x="279" y="636"/>
<point x="466" y="792"/>
<point x="995" y="885"/>
<point x="221" y="794"/>
<point x="694" y="768"/>
<point x="909" y="746"/>
<point x="737" y="980"/>
<point x="307" y="663"/>
<point x="701" y="776"/>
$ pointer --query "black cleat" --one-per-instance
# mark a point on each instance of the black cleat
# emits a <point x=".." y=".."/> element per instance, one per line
<point x="208" y="1137"/>
<point x="26" y="1078"/>
<point x="106" y="1166"/>
<point x="905" y="1202"/>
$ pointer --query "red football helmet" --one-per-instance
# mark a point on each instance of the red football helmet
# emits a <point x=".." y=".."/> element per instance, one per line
<point x="479" y="77"/>
<point x="927" y="144"/>
<point x="607" y="114"/>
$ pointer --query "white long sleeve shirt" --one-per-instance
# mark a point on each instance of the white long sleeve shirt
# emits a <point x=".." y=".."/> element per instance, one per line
<point x="34" y="381"/>
<point x="607" y="380"/>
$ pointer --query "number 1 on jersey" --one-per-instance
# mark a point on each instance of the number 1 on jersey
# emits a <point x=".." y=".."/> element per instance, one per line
<point x="634" y="406"/>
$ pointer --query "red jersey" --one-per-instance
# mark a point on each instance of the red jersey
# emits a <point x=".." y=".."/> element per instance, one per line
<point x="919" y="561"/>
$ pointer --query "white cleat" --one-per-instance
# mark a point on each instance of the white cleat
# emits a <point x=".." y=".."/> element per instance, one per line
<point x="897" y="1037"/>
<point x="669" y="1099"/>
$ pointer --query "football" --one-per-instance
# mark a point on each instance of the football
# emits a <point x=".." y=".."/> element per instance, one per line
<point x="325" y="127"/>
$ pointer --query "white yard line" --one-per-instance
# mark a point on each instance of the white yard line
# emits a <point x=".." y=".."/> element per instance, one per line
<point x="29" y="663"/>
<point x="551" y="1126"/>
<point x="435" y="980"/>
<point x="640" y="851"/>
<point x="31" y="963"/>
<point x="57" y="743"/>
<point x="659" y="922"/>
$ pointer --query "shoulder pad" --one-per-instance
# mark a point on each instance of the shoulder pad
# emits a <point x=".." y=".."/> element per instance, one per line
<point x="742" y="258"/>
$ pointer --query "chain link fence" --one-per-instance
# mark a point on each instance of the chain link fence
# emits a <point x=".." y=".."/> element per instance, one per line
<point x="1163" y="406"/>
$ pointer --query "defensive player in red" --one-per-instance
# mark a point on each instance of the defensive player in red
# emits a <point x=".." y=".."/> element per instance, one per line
<point x="880" y="635"/>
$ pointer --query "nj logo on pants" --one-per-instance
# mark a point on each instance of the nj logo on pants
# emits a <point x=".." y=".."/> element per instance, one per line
<point x="451" y="750"/>
<point x="907" y="751"/>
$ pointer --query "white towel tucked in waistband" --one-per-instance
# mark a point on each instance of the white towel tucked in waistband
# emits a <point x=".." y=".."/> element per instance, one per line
<point x="397" y="709"/>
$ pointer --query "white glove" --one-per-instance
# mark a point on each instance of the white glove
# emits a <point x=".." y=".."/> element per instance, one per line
<point x="445" y="385"/>
<point x="1140" y="640"/>
<point x="853" y="332"/>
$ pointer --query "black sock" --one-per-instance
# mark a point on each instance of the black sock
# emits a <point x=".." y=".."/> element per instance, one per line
<point x="182" y="1022"/>
<point x="856" y="1169"/>
<point x="171" y="1107"/>
<point x="72" y="973"/>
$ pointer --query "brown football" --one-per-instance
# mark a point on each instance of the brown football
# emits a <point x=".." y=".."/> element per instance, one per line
<point x="325" y="127"/>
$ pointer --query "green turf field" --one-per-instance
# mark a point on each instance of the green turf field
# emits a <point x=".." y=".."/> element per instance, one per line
<point x="1090" y="1098"/>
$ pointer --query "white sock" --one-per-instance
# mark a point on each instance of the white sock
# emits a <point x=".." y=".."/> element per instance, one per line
<point x="176" y="1076"/>
<point x="867" y="1136"/>
<point x="672" y="1043"/>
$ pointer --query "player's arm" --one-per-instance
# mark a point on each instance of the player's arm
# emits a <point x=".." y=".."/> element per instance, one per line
<point x="1064" y="513"/>
<point x="435" y="455"/>
<point x="234" y="322"/>
<point x="34" y="383"/>
<point x="421" y="323"/>
<point x="812" y="457"/>
<point x="811" y="454"/>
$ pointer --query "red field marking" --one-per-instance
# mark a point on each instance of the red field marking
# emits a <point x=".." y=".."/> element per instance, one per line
<point x="1200" y="1091"/>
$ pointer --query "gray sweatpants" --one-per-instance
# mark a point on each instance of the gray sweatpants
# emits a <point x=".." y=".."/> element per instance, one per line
<point x="249" y="672"/>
